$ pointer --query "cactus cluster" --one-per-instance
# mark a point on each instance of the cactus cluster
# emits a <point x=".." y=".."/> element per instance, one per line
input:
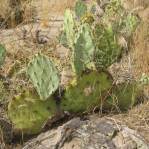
<point x="28" y="113"/>
<point x="104" y="34"/>
<point x="43" y="75"/>
<point x="90" y="42"/>
<point x="87" y="93"/>
<point x="94" y="47"/>
<point x="124" y="22"/>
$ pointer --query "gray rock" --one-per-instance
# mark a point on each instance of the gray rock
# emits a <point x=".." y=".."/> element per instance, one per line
<point x="95" y="133"/>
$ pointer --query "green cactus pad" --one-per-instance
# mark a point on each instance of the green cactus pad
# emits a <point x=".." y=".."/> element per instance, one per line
<point x="108" y="50"/>
<point x="2" y="54"/>
<point x="43" y="75"/>
<point x="28" y="114"/>
<point x="69" y="26"/>
<point x="80" y="8"/>
<point x="83" y="49"/>
<point x="87" y="94"/>
<point x="128" y="25"/>
<point x="63" y="39"/>
<point x="122" y="97"/>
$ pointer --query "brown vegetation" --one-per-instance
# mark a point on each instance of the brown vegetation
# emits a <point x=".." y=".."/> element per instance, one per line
<point x="24" y="11"/>
<point x="141" y="52"/>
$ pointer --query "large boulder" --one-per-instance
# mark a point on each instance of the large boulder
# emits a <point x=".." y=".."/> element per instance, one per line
<point x="93" y="133"/>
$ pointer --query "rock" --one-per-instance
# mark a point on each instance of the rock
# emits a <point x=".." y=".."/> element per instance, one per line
<point x="93" y="133"/>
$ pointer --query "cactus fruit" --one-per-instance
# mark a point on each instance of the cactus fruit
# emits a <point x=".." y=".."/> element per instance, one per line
<point x="107" y="48"/>
<point x="80" y="9"/>
<point x="69" y="26"/>
<point x="88" y="18"/>
<point x="122" y="97"/>
<point x="83" y="49"/>
<point x="2" y="54"/>
<point x="43" y="75"/>
<point x="28" y="113"/>
<point x="88" y="92"/>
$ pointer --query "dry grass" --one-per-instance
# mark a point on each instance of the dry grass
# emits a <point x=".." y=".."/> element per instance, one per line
<point x="4" y="5"/>
<point x="137" y="119"/>
<point x="31" y="10"/>
<point x="12" y="12"/>
<point x="141" y="52"/>
<point x="133" y="4"/>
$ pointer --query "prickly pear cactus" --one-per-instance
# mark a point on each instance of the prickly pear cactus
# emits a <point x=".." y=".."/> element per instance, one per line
<point x="80" y="8"/>
<point x="87" y="93"/>
<point x="2" y="54"/>
<point x="107" y="48"/>
<point x="113" y="10"/>
<point x="83" y="49"/>
<point x="129" y="24"/>
<point x="69" y="26"/>
<point x="28" y="113"/>
<point x="123" y="21"/>
<point x="43" y="75"/>
<point x="122" y="97"/>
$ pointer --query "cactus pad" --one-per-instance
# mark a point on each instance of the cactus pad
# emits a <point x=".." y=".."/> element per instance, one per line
<point x="87" y="94"/>
<point x="28" y="114"/>
<point x="2" y="54"/>
<point x="108" y="50"/>
<point x="80" y="8"/>
<point x="83" y="49"/>
<point x="129" y="24"/>
<point x="43" y="75"/>
<point x="69" y="26"/>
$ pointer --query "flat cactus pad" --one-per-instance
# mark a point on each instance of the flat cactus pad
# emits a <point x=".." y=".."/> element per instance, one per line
<point x="28" y="114"/>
